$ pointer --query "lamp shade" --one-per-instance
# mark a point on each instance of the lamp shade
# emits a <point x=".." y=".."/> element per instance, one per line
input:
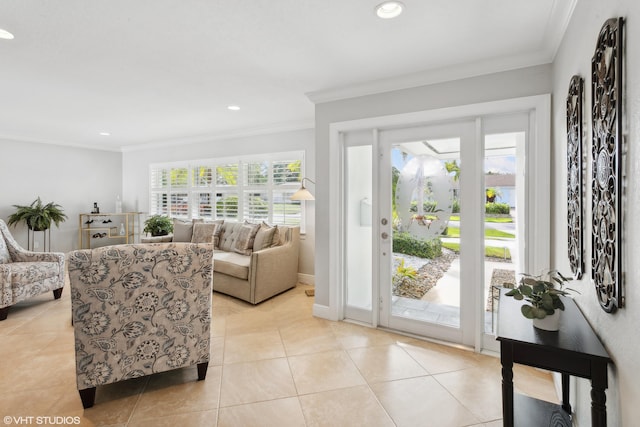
<point x="303" y="193"/>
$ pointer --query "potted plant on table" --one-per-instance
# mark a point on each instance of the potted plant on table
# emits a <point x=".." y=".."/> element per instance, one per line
<point x="158" y="225"/>
<point x="542" y="293"/>
<point x="37" y="215"/>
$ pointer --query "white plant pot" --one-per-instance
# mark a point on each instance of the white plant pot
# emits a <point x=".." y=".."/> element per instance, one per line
<point x="549" y="323"/>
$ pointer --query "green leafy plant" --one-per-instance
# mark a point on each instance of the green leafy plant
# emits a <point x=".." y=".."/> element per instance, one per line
<point x="158" y="225"/>
<point x="37" y="215"/>
<point x="497" y="208"/>
<point x="403" y="271"/>
<point x="405" y="243"/>
<point x="491" y="194"/>
<point x="542" y="292"/>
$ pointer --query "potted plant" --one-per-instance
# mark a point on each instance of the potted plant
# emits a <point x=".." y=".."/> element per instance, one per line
<point x="542" y="293"/>
<point x="37" y="216"/>
<point x="158" y="225"/>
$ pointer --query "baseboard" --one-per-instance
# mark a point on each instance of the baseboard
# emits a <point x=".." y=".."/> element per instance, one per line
<point x="324" y="312"/>
<point x="307" y="279"/>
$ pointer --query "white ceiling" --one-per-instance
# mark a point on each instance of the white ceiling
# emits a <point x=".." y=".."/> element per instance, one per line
<point x="151" y="71"/>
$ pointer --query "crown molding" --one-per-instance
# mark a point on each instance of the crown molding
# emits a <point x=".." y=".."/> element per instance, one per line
<point x="86" y="146"/>
<point x="430" y="77"/>
<point x="231" y="134"/>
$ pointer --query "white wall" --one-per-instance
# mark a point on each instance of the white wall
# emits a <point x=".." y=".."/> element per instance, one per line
<point x="498" y="86"/>
<point x="618" y="331"/>
<point x="72" y="177"/>
<point x="136" y="171"/>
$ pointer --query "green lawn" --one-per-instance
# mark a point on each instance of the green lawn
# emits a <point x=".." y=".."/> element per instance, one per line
<point x="489" y="251"/>
<point x="488" y="232"/>
<point x="486" y="219"/>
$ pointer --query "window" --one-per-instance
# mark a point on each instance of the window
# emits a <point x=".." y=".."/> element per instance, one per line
<point x="248" y="188"/>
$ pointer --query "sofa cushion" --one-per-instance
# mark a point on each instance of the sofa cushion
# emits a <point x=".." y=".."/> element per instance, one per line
<point x="246" y="237"/>
<point x="183" y="230"/>
<point x="203" y="232"/>
<point x="5" y="256"/>
<point x="231" y="264"/>
<point x="264" y="237"/>
<point x="217" y="233"/>
<point x="230" y="231"/>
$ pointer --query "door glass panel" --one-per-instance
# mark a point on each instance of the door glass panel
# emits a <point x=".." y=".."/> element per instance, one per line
<point x="358" y="241"/>
<point x="504" y="216"/>
<point x="426" y="239"/>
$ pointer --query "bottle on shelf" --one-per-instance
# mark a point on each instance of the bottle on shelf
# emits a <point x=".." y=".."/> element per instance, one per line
<point x="122" y="232"/>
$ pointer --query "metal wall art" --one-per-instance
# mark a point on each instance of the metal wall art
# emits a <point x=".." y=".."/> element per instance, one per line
<point x="606" y="185"/>
<point x="574" y="175"/>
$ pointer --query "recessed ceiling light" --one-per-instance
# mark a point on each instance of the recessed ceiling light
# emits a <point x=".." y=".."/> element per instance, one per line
<point x="233" y="107"/>
<point x="105" y="134"/>
<point x="4" y="34"/>
<point x="389" y="9"/>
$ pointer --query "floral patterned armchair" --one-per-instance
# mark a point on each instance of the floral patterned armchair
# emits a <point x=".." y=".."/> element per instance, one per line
<point x="139" y="309"/>
<point x="25" y="274"/>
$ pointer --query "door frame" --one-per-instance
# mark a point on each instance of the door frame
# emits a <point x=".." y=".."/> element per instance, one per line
<point x="537" y="155"/>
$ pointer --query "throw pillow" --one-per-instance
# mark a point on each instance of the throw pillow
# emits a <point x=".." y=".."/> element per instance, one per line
<point x="246" y="237"/>
<point x="264" y="237"/>
<point x="203" y="232"/>
<point x="217" y="233"/>
<point x="276" y="236"/>
<point x="182" y="230"/>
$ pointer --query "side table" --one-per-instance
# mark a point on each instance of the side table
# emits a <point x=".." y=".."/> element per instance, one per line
<point x="573" y="350"/>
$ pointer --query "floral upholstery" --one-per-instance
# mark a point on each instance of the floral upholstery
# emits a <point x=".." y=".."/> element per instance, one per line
<point x="139" y="309"/>
<point x="25" y="274"/>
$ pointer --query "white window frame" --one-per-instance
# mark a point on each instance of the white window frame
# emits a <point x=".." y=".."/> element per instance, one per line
<point x="270" y="189"/>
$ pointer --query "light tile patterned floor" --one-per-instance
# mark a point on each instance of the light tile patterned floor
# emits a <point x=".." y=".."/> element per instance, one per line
<point x="271" y="365"/>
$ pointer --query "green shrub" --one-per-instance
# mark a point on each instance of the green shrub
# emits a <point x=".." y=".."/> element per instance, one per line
<point x="456" y="206"/>
<point x="405" y="243"/>
<point x="497" y="208"/>
<point x="427" y="206"/>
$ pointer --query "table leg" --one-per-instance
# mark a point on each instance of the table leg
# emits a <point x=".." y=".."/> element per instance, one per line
<point x="506" y="358"/>
<point x="565" y="394"/>
<point x="598" y="396"/>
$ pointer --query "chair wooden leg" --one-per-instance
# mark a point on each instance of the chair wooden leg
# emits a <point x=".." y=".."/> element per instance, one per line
<point x="57" y="293"/>
<point x="4" y="311"/>
<point x="202" y="370"/>
<point x="88" y="397"/>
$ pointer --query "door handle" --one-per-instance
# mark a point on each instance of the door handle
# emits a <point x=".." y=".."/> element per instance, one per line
<point x="384" y="235"/>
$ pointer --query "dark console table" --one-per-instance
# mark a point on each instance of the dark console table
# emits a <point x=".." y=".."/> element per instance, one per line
<point x="573" y="350"/>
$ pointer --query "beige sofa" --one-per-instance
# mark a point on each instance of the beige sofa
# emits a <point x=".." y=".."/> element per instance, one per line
<point x="252" y="262"/>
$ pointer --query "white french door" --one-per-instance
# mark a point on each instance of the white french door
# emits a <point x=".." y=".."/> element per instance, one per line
<point x="416" y="205"/>
<point x="417" y="198"/>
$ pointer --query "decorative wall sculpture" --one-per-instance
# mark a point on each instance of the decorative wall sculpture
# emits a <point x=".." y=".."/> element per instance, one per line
<point x="606" y="185"/>
<point x="574" y="175"/>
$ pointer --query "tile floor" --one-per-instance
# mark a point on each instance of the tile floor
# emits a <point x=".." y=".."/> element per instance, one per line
<point x="271" y="365"/>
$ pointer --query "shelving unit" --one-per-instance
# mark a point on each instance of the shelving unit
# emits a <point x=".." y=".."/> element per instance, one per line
<point x="93" y="229"/>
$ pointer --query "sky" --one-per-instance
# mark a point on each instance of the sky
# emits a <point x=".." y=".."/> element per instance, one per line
<point x="496" y="164"/>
